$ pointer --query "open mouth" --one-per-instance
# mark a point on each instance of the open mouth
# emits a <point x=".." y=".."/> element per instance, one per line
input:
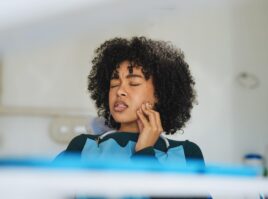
<point x="120" y="106"/>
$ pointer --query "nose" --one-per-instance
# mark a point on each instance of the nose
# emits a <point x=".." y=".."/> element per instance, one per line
<point x="121" y="91"/>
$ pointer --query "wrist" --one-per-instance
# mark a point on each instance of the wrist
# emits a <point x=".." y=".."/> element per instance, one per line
<point x="140" y="147"/>
<point x="145" y="141"/>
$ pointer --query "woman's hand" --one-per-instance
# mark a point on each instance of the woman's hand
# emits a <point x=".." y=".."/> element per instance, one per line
<point x="150" y="126"/>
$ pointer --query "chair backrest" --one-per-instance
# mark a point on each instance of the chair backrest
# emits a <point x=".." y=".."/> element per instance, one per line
<point x="97" y="126"/>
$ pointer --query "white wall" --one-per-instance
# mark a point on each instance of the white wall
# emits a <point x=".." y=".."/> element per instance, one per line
<point x="249" y="49"/>
<point x="26" y="136"/>
<point x="220" y="40"/>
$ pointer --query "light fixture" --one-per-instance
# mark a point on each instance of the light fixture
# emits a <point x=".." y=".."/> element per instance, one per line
<point x="247" y="80"/>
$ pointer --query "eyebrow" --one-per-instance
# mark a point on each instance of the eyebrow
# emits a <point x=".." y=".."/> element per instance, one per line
<point x="129" y="76"/>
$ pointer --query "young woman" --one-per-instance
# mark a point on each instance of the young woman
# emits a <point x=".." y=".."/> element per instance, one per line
<point x="144" y="89"/>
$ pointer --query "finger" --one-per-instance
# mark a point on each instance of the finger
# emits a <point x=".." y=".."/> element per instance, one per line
<point x="149" y="106"/>
<point x="140" y="125"/>
<point x="157" y="116"/>
<point x="158" y="121"/>
<point x="150" y="114"/>
<point x="142" y="117"/>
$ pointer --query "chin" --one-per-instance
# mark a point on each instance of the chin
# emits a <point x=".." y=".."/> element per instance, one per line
<point x="124" y="119"/>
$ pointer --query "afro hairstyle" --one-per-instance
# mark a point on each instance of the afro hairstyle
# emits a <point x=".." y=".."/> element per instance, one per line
<point x="172" y="80"/>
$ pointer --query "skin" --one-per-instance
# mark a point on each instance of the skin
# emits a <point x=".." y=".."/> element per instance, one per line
<point x="137" y="93"/>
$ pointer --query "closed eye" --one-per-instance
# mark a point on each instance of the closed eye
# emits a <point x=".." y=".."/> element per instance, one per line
<point x="131" y="84"/>
<point x="113" y="86"/>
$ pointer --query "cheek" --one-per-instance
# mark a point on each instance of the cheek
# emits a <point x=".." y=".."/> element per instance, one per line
<point x="143" y="97"/>
<point x="138" y="100"/>
<point x="111" y="98"/>
<point x="150" y="93"/>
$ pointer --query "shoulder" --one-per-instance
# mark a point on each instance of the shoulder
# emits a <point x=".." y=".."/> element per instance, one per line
<point x="191" y="150"/>
<point x="75" y="146"/>
<point x="78" y="142"/>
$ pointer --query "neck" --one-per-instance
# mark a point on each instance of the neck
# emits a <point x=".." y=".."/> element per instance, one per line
<point x="129" y="127"/>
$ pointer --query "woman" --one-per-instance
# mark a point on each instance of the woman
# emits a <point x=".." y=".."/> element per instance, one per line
<point x="143" y="88"/>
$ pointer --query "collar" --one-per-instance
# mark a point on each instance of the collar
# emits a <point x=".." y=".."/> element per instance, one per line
<point x="122" y="138"/>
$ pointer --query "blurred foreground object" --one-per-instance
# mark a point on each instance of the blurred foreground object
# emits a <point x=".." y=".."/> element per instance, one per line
<point x="38" y="178"/>
<point x="255" y="160"/>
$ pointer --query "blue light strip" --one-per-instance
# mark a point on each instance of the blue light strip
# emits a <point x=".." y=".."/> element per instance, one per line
<point x="74" y="162"/>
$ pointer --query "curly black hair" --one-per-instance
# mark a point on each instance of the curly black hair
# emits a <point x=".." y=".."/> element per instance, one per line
<point x="172" y="80"/>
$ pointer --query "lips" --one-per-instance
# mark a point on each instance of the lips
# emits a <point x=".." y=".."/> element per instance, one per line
<point x="120" y="106"/>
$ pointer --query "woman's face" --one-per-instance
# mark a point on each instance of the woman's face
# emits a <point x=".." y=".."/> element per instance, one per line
<point x="128" y="90"/>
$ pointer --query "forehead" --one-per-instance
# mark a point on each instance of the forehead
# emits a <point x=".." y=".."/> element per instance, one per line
<point x="125" y="68"/>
